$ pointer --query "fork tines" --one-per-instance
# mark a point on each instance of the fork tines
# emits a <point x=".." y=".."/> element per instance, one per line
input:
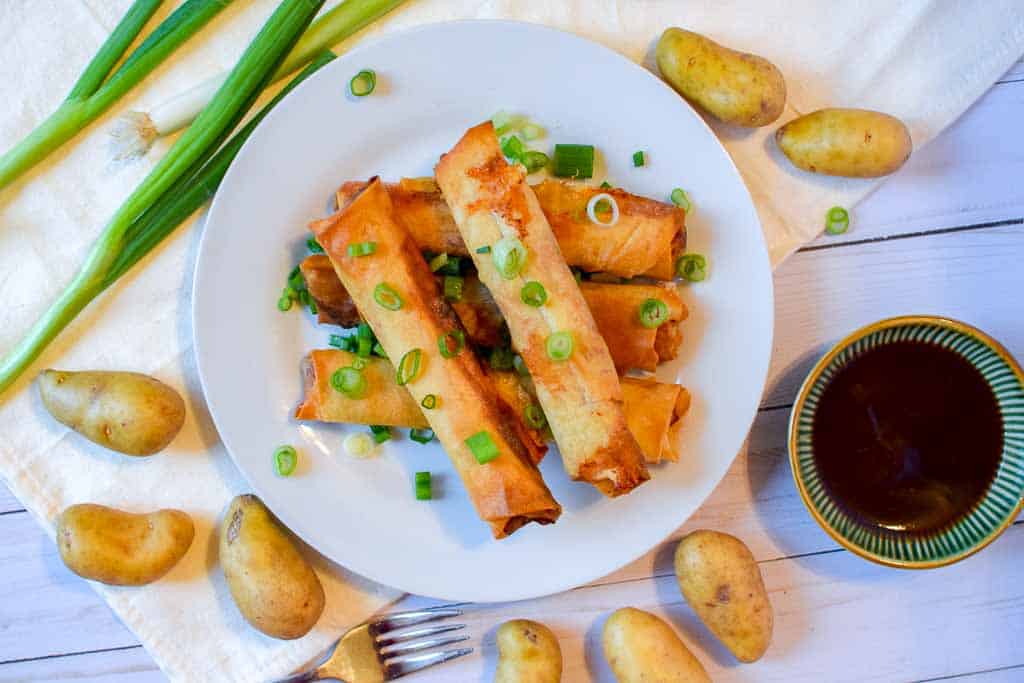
<point x="401" y="650"/>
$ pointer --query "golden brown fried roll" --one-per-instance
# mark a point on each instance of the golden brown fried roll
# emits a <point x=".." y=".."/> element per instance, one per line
<point x="653" y="409"/>
<point x="491" y="202"/>
<point x="648" y="238"/>
<point x="396" y="293"/>
<point x="333" y="304"/>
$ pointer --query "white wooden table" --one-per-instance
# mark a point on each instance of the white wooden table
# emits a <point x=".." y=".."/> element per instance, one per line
<point x="946" y="236"/>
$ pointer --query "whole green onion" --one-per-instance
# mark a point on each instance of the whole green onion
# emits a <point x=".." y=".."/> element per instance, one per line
<point x="91" y="96"/>
<point x="179" y="184"/>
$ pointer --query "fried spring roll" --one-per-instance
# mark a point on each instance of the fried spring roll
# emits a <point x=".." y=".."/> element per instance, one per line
<point x="615" y="309"/>
<point x="490" y="201"/>
<point x="395" y="291"/>
<point x="648" y="238"/>
<point x="653" y="409"/>
<point x="333" y="304"/>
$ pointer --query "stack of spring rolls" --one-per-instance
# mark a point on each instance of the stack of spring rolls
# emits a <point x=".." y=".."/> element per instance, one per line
<point x="608" y="427"/>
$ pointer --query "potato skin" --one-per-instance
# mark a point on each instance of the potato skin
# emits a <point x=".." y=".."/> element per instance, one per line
<point x="722" y="583"/>
<point x="734" y="87"/>
<point x="641" y="648"/>
<point x="122" y="548"/>
<point x="127" y="412"/>
<point x="274" y="587"/>
<point x="854" y="143"/>
<point x="528" y="652"/>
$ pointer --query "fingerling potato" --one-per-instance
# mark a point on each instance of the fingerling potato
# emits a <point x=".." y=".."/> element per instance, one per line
<point x="641" y="648"/>
<point x="270" y="581"/>
<point x="735" y="87"/>
<point x="122" y="548"/>
<point x="528" y="652"/>
<point x="722" y="583"/>
<point x="127" y="412"/>
<point x="855" y="143"/>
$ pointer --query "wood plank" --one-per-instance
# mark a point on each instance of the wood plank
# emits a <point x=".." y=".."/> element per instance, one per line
<point x="821" y="296"/>
<point x="131" y="665"/>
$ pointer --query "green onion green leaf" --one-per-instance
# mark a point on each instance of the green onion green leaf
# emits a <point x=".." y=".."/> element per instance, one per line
<point x="533" y="294"/>
<point x="837" y="220"/>
<point x="574" y="161"/>
<point x="381" y="433"/>
<point x="421" y="435"/>
<point x="438" y="261"/>
<point x="423" y="491"/>
<point x="361" y="249"/>
<point x="559" y="345"/>
<point x="653" y="312"/>
<point x="363" y="83"/>
<point x="692" y="267"/>
<point x="314" y="246"/>
<point x="453" y="285"/>
<point x="430" y="401"/>
<point x="482" y="446"/>
<point x="509" y="256"/>
<point x="513" y="148"/>
<point x="450" y="344"/>
<point x="350" y="382"/>
<point x="285" y="460"/>
<point x="386" y="296"/>
<point x="681" y="199"/>
<point x="639" y="158"/>
<point x="486" y="249"/>
<point x="534" y="161"/>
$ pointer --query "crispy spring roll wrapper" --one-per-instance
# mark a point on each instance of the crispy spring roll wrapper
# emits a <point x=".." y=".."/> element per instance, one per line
<point x="648" y="238"/>
<point x="653" y="409"/>
<point x="507" y="492"/>
<point x="490" y="199"/>
<point x="333" y="304"/>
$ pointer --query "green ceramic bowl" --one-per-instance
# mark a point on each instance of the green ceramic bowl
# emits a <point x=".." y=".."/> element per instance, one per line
<point x="989" y="517"/>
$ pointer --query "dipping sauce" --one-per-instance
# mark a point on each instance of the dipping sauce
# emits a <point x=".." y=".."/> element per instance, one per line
<point x="907" y="437"/>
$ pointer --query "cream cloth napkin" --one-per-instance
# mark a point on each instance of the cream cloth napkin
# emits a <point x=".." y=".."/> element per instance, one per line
<point x="920" y="60"/>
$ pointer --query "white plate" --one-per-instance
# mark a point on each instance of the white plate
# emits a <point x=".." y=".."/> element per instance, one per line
<point x="432" y="84"/>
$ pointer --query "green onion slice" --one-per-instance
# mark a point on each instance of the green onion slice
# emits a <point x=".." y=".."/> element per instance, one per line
<point x="349" y="381"/>
<point x="639" y="158"/>
<point x="509" y="256"/>
<point x="337" y="341"/>
<point x="357" y="249"/>
<point x="606" y="185"/>
<point x="451" y="343"/>
<point x="295" y="279"/>
<point x="381" y="433"/>
<point x="482" y="446"/>
<point x="534" y="161"/>
<point x="653" y="312"/>
<point x="285" y="460"/>
<point x="453" y="266"/>
<point x="363" y="83"/>
<point x="284" y="303"/>
<point x="364" y="331"/>
<point x="837" y="220"/>
<point x="359" y="364"/>
<point x="692" y="267"/>
<point x="519" y="365"/>
<point x="437" y="262"/>
<point x="409" y="367"/>
<point x="421" y="435"/>
<point x="559" y="345"/>
<point x="486" y="249"/>
<point x="681" y="199"/>
<point x="364" y="347"/>
<point x="453" y="285"/>
<point x="379" y="350"/>
<point x="603" y="203"/>
<point x="574" y="161"/>
<point x="430" y="401"/>
<point x="314" y="246"/>
<point x="423" y="491"/>
<point x="385" y="295"/>
<point x="501" y="358"/>
<point x="513" y="148"/>
<point x="533" y="294"/>
<point x="534" y="417"/>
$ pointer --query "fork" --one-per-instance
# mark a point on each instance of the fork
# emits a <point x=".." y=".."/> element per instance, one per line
<point x="380" y="650"/>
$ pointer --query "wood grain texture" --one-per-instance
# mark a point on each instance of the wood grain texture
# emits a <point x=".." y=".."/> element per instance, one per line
<point x="962" y="622"/>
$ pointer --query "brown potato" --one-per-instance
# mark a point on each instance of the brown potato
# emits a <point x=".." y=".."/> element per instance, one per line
<point x="855" y="143"/>
<point x="122" y="548"/>
<point x="641" y="648"/>
<point x="720" y="579"/>
<point x="735" y="87"/>
<point x="125" y="411"/>
<point x="274" y="587"/>
<point x="528" y="652"/>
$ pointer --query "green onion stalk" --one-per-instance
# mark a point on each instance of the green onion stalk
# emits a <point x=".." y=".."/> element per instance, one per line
<point x="177" y="185"/>
<point x="91" y="96"/>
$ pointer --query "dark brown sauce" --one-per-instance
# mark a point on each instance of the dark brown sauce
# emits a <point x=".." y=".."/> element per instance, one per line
<point x="907" y="437"/>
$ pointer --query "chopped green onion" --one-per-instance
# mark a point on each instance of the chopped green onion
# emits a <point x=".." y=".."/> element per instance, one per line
<point x="421" y="435"/>
<point x="534" y="160"/>
<point x="361" y="249"/>
<point x="509" y="256"/>
<point x="577" y="275"/>
<point x="386" y="296"/>
<point x="351" y="344"/>
<point x="359" y="445"/>
<point x="363" y="347"/>
<point x="285" y="460"/>
<point x="574" y="161"/>
<point x="486" y="249"/>
<point x="653" y="312"/>
<point x="534" y="417"/>
<point x="290" y="293"/>
<point x="438" y="261"/>
<point x="295" y="279"/>
<point x="364" y="331"/>
<point x="513" y="148"/>
<point x="531" y="131"/>
<point x="363" y="83"/>
<point x="337" y="341"/>
<point x="453" y="266"/>
<point x="350" y="382"/>
<point x="284" y="303"/>
<point x="505" y="122"/>
<point x="681" y="199"/>
<point x="482" y="446"/>
<point x="454" y="348"/>
<point x="381" y="433"/>
<point x="423" y="491"/>
<point x="603" y="203"/>
<point x="453" y="285"/>
<point x="501" y="358"/>
<point x="606" y="185"/>
<point x="359" y="363"/>
<point x="533" y="294"/>
<point x="304" y="297"/>
<point x="430" y="401"/>
<point x="409" y="367"/>
<point x="520" y="366"/>
<point x="559" y="345"/>
<point x="379" y="350"/>
<point x="837" y="220"/>
<point x="692" y="267"/>
<point x="639" y="158"/>
<point x="312" y="305"/>
<point x="314" y="246"/>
